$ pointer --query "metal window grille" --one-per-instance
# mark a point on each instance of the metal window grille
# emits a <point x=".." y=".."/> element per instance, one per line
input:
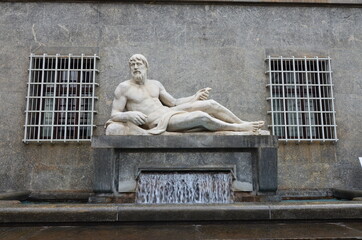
<point x="301" y="98"/>
<point x="60" y="98"/>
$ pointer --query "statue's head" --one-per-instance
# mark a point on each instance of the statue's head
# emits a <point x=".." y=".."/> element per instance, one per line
<point x="138" y="57"/>
<point x="138" y="65"/>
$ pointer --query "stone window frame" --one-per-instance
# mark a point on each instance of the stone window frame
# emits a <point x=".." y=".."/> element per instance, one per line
<point x="60" y="98"/>
<point x="301" y="99"/>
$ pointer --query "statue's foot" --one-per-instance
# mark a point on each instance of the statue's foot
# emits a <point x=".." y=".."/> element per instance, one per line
<point x="250" y="126"/>
<point x="261" y="124"/>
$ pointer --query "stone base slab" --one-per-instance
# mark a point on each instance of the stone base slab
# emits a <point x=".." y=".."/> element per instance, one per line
<point x="67" y="213"/>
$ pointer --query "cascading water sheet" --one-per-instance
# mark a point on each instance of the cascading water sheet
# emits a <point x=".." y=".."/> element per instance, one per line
<point x="184" y="188"/>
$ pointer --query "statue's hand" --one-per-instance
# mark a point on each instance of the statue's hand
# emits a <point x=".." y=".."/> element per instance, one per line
<point x="136" y="117"/>
<point x="203" y="94"/>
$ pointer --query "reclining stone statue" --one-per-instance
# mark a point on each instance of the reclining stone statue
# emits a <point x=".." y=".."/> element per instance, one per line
<point x="142" y="107"/>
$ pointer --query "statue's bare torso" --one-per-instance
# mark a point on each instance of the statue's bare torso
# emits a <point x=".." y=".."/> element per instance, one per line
<point x="144" y="98"/>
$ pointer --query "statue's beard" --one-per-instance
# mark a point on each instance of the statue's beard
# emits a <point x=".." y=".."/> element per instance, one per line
<point x="139" y="77"/>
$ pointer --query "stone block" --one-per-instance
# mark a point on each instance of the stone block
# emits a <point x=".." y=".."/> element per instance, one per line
<point x="267" y="169"/>
<point x="104" y="170"/>
<point x="120" y="159"/>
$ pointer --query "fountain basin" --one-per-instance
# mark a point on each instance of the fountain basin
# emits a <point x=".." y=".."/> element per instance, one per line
<point x="119" y="159"/>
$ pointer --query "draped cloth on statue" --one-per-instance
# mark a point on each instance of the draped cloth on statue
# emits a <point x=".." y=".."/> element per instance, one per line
<point x="157" y="121"/>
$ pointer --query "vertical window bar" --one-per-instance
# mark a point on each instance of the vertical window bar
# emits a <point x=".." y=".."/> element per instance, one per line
<point x="329" y="86"/>
<point x="296" y="99"/>
<point x="271" y="96"/>
<point x="279" y="101"/>
<point x="93" y="95"/>
<point x="35" y="98"/>
<point x="332" y="99"/>
<point x="80" y="97"/>
<point x="28" y="98"/>
<point x="284" y="106"/>
<point x="320" y="100"/>
<point x="41" y="97"/>
<point x="327" y="101"/>
<point x="67" y="99"/>
<point x="308" y="99"/>
<point x="57" y="96"/>
<point x="54" y="95"/>
<point x="44" y="129"/>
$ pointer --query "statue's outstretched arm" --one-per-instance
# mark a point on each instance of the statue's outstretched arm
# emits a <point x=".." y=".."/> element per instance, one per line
<point x="202" y="94"/>
<point x="168" y="100"/>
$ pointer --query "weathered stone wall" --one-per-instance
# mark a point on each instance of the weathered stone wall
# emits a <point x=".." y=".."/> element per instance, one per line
<point x="188" y="47"/>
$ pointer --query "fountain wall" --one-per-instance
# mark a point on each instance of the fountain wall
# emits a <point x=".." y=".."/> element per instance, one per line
<point x="189" y="46"/>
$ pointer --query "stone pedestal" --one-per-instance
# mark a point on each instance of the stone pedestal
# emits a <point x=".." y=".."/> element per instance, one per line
<point x="120" y="159"/>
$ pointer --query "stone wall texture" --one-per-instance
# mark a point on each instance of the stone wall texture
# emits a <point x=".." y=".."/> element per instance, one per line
<point x="188" y="47"/>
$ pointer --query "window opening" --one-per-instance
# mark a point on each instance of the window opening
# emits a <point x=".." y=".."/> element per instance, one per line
<point x="301" y="98"/>
<point x="60" y="98"/>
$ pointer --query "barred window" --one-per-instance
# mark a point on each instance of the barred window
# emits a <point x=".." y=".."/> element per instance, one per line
<point x="60" y="98"/>
<point x="301" y="98"/>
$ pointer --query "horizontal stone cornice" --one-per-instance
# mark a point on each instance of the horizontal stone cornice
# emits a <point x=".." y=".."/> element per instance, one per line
<point x="352" y="3"/>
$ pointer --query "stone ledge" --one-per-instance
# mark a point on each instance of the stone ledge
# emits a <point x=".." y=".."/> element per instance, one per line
<point x="61" y="213"/>
<point x="57" y="213"/>
<point x="14" y="195"/>
<point x="188" y="141"/>
<point x="60" y="196"/>
<point x="347" y="193"/>
<point x="319" y="211"/>
<point x="269" y="2"/>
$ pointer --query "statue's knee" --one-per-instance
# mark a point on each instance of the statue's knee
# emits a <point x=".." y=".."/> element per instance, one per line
<point x="211" y="103"/>
<point x="202" y="116"/>
<point x="116" y="128"/>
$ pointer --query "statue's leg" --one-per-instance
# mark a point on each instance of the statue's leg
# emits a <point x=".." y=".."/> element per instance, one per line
<point x="128" y="128"/>
<point x="195" y="119"/>
<point x="213" y="108"/>
<point x="116" y="128"/>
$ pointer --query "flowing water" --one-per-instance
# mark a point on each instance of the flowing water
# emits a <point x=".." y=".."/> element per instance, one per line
<point x="202" y="187"/>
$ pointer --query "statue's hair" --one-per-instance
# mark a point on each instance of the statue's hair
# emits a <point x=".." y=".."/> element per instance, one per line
<point x="138" y="57"/>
